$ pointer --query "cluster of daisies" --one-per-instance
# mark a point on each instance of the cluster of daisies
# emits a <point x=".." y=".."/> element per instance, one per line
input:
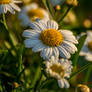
<point x="55" y="45"/>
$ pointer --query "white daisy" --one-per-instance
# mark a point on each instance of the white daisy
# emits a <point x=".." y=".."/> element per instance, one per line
<point x="47" y="39"/>
<point x="59" y="69"/>
<point x="9" y="5"/>
<point x="31" y="13"/>
<point x="87" y="48"/>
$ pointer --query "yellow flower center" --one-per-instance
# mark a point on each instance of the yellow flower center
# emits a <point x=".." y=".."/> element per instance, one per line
<point x="5" y="1"/>
<point x="90" y="45"/>
<point x="58" y="69"/>
<point x="51" y="37"/>
<point x="35" y="14"/>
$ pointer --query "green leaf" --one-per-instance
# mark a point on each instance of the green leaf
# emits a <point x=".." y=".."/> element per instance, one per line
<point x="20" y="54"/>
<point x="79" y="47"/>
<point x="81" y="70"/>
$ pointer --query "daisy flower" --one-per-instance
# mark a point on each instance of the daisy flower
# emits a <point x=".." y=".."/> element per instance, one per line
<point x="87" y="48"/>
<point x="9" y="5"/>
<point x="31" y="13"/>
<point x="45" y="37"/>
<point x="59" y="69"/>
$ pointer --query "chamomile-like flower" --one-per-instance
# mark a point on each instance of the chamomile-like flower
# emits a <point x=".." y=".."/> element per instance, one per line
<point x="59" y="69"/>
<point x="31" y="13"/>
<point x="87" y="48"/>
<point x="9" y="5"/>
<point x="47" y="39"/>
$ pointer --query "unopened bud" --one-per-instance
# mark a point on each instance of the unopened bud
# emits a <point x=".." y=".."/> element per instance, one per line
<point x="82" y="88"/>
<point x="15" y="85"/>
<point x="72" y="2"/>
<point x="58" y="7"/>
<point x="87" y="23"/>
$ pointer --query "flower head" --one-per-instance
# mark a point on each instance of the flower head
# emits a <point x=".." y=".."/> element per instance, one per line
<point x="59" y="69"/>
<point x="47" y="39"/>
<point x="87" y="48"/>
<point x="9" y="5"/>
<point x="82" y="88"/>
<point x="31" y="13"/>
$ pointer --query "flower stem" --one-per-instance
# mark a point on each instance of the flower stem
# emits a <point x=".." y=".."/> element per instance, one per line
<point x="69" y="8"/>
<point x="9" y="34"/>
<point x="88" y="74"/>
<point x="4" y="21"/>
<point x="37" y="75"/>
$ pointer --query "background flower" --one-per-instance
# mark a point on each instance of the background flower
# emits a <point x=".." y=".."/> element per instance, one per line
<point x="9" y="5"/>
<point x="59" y="69"/>
<point x="31" y="13"/>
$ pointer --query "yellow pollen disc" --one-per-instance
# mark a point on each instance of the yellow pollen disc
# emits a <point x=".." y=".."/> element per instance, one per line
<point x="5" y="1"/>
<point x="35" y="14"/>
<point x="90" y="45"/>
<point x="51" y="37"/>
<point x="58" y="69"/>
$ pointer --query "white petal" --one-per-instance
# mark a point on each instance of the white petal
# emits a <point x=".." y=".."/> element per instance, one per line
<point x="66" y="32"/>
<point x="61" y="83"/>
<point x="46" y="53"/>
<point x="68" y="36"/>
<point x="63" y="52"/>
<point x="38" y="26"/>
<point x="38" y="47"/>
<point x="66" y="84"/>
<point x="31" y="34"/>
<point x="31" y="43"/>
<point x="55" y="52"/>
<point x="51" y="24"/>
<point x="89" y="57"/>
<point x="15" y="7"/>
<point x="71" y="45"/>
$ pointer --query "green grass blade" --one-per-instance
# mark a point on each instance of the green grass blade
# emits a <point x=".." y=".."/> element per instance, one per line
<point x="79" y="46"/>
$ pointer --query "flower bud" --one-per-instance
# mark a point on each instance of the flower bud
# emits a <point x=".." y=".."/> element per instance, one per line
<point x="15" y="85"/>
<point x="82" y="88"/>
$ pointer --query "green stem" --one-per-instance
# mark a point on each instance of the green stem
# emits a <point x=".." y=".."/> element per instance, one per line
<point x="6" y="27"/>
<point x="45" y="2"/>
<point x="7" y="74"/>
<point x="46" y="82"/>
<point x="60" y="21"/>
<point x="88" y="74"/>
<point x="38" y="72"/>
<point x="4" y="20"/>
<point x="81" y="70"/>
<point x="20" y="59"/>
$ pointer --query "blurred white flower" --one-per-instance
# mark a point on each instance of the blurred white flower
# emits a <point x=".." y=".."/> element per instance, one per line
<point x="31" y="13"/>
<point x="56" y="2"/>
<point x="87" y="48"/>
<point x="45" y="37"/>
<point x="9" y="5"/>
<point x="59" y="69"/>
<point x="70" y="18"/>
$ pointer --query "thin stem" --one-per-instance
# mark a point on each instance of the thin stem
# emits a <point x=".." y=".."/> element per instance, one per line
<point x="4" y="21"/>
<point x="20" y="59"/>
<point x="60" y="21"/>
<point x="88" y="74"/>
<point x="5" y="24"/>
<point x="37" y="75"/>
<point x="81" y="70"/>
